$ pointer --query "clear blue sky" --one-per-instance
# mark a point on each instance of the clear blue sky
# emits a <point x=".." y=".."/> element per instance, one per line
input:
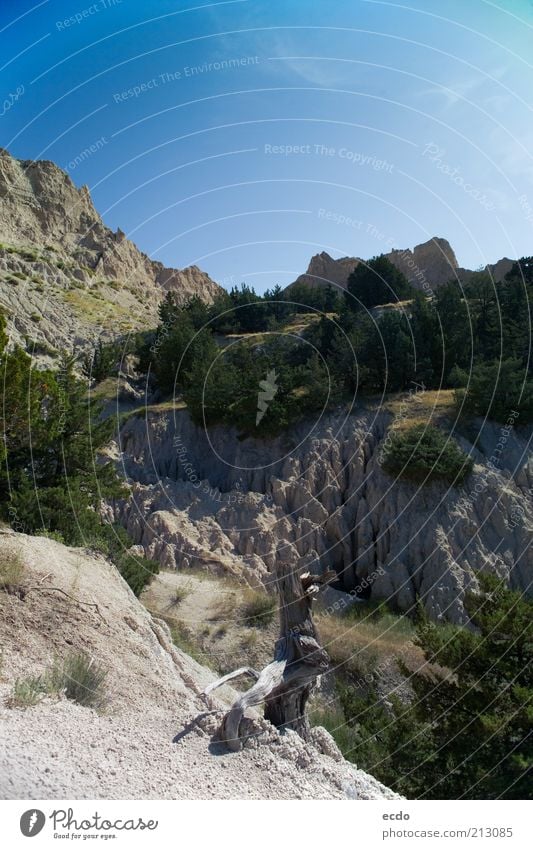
<point x="406" y="121"/>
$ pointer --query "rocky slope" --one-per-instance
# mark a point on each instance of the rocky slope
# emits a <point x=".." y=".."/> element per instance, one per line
<point x="217" y="502"/>
<point x="66" y="278"/>
<point x="154" y="737"/>
<point x="427" y="266"/>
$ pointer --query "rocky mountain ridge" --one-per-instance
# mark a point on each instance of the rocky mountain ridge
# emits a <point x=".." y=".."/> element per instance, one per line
<point x="427" y="266"/>
<point x="65" y="277"/>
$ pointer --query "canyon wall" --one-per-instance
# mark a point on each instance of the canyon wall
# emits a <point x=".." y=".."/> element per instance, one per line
<point x="214" y="501"/>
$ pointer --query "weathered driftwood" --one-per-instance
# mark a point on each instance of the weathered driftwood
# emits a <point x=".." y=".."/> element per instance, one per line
<point x="285" y="684"/>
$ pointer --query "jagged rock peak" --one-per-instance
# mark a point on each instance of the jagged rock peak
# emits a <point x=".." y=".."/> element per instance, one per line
<point x="426" y="266"/>
<point x="65" y="277"/>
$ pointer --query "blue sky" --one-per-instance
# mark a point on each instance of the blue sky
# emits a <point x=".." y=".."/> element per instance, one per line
<point x="246" y="136"/>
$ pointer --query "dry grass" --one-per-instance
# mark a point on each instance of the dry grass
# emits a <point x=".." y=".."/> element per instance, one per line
<point x="11" y="571"/>
<point x="258" y="609"/>
<point x="81" y="679"/>
<point x="224" y="607"/>
<point x="78" y="677"/>
<point x="421" y="408"/>
<point x="163" y="407"/>
<point x="366" y="638"/>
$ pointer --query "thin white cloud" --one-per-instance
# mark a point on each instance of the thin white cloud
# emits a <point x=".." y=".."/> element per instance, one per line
<point x="467" y="88"/>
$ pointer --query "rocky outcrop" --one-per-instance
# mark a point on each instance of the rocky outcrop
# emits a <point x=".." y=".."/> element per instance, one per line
<point x="221" y="503"/>
<point x="427" y="266"/>
<point x="323" y="270"/>
<point x="66" y="278"/>
<point x="153" y="739"/>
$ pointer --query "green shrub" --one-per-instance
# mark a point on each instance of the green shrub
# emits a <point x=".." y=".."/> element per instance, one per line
<point x="136" y="571"/>
<point x="183" y="638"/>
<point x="81" y="679"/>
<point x="258" y="609"/>
<point x="55" y="535"/>
<point x="425" y="453"/>
<point x="28" y="691"/>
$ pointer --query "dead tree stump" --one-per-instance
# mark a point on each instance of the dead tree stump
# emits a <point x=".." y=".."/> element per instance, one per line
<point x="284" y="686"/>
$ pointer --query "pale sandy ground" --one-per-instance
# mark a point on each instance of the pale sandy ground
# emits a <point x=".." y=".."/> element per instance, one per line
<point x="151" y="741"/>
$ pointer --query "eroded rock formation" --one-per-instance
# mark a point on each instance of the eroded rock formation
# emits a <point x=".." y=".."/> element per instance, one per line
<point x="66" y="278"/>
<point x="427" y="266"/>
<point x="214" y="501"/>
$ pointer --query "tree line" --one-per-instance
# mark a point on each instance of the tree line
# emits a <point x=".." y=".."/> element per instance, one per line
<point x="379" y="336"/>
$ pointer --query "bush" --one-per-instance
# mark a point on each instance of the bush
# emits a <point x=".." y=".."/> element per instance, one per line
<point x="11" y="572"/>
<point x="81" y="679"/>
<point x="136" y="571"/>
<point x="258" y="609"/>
<point x="179" y="595"/>
<point x="77" y="676"/>
<point x="423" y="453"/>
<point x="28" y="691"/>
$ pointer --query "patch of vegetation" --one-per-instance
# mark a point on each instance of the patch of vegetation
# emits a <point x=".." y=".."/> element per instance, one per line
<point x="451" y="340"/>
<point x="365" y="638"/>
<point x="35" y="316"/>
<point x="81" y="679"/>
<point x="179" y="595"/>
<point x="258" y="609"/>
<point x="48" y="477"/>
<point x="11" y="571"/>
<point x="27" y="692"/>
<point x="500" y="388"/>
<point x="423" y="453"/>
<point x="78" y="677"/>
<point x="379" y="619"/>
<point x="102" y="361"/>
<point x="55" y="535"/>
<point x="39" y="346"/>
<point x="467" y="732"/>
<point x="184" y="640"/>
<point x="224" y="607"/>
<point x="376" y="282"/>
